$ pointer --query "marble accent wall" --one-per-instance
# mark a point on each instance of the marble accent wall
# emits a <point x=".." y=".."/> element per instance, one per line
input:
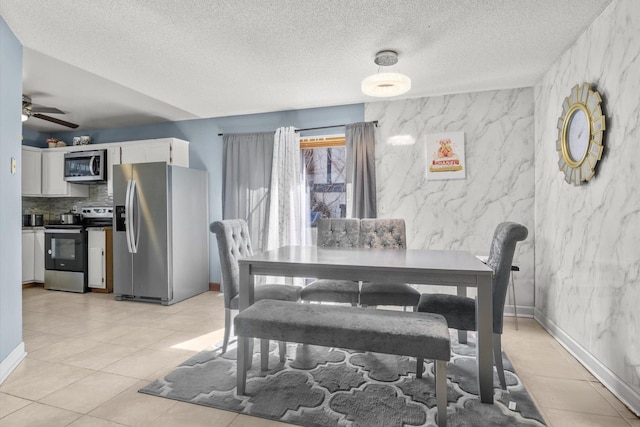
<point x="588" y="237"/>
<point x="461" y="214"/>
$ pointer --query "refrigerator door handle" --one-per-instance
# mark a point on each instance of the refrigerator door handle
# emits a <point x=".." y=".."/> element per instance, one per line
<point x="128" y="212"/>
<point x="135" y="217"/>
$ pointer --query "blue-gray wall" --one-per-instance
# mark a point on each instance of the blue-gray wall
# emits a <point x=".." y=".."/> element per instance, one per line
<point x="10" y="188"/>
<point x="205" y="148"/>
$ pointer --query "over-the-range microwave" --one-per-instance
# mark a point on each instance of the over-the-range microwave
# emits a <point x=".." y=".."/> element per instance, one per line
<point x="85" y="167"/>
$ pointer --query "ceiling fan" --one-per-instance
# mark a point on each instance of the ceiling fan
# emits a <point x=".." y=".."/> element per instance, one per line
<point x="34" y="110"/>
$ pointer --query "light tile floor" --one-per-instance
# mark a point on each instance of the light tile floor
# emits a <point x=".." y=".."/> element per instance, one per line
<point x="88" y="355"/>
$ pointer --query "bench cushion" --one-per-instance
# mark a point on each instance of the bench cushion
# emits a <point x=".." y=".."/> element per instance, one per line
<point x="383" y="331"/>
<point x="279" y="292"/>
<point x="328" y="290"/>
<point x="375" y="293"/>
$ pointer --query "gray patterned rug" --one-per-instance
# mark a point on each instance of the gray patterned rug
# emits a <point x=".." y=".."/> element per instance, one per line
<point x="320" y="386"/>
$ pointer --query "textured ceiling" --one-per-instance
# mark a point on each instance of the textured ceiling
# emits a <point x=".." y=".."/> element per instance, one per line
<point x="112" y="63"/>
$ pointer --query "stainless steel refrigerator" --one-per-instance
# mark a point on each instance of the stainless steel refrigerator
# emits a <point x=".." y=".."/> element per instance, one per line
<point x="161" y="235"/>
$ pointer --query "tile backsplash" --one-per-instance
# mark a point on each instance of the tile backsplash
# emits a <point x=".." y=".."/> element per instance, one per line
<point x="51" y="207"/>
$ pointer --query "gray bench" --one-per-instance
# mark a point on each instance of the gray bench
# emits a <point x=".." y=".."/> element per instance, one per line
<point x="420" y="335"/>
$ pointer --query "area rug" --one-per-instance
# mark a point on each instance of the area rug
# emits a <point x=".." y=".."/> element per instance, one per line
<point x="320" y="386"/>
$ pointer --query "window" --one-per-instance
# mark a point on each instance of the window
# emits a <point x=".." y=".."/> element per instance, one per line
<point x="324" y="167"/>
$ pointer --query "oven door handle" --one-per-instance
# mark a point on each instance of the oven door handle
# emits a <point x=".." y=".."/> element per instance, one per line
<point x="128" y="209"/>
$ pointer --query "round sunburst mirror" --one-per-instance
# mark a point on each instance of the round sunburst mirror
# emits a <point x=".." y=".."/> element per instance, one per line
<point x="580" y="134"/>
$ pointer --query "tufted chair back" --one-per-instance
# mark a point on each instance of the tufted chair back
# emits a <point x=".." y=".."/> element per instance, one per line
<point x="234" y="243"/>
<point x="338" y="233"/>
<point x="503" y="246"/>
<point x="383" y="233"/>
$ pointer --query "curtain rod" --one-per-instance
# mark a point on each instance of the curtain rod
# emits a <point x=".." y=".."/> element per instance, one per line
<point x="375" y="122"/>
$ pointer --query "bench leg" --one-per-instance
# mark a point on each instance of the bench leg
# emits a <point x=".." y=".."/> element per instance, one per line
<point x="462" y="336"/>
<point x="283" y="350"/>
<point x="419" y="367"/>
<point x="441" y="392"/>
<point x="264" y="355"/>
<point x="243" y="347"/>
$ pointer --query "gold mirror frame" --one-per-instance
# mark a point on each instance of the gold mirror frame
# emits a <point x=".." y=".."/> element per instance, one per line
<point x="581" y="98"/>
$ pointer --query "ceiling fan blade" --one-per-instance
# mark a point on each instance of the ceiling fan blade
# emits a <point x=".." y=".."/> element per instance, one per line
<point x="56" y="121"/>
<point x="42" y="109"/>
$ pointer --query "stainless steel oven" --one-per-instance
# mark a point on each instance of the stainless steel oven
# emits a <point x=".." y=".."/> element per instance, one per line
<point x="65" y="258"/>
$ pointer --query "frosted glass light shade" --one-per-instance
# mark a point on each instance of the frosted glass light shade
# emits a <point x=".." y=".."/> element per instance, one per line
<point x="386" y="84"/>
<point x="24" y="117"/>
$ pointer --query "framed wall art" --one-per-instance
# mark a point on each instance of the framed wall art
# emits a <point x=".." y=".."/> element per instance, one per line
<point x="445" y="156"/>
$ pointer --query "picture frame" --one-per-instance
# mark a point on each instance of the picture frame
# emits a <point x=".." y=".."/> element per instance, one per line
<point x="445" y="156"/>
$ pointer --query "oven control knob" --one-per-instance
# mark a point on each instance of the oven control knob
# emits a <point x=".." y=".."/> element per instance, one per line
<point x="49" y="251"/>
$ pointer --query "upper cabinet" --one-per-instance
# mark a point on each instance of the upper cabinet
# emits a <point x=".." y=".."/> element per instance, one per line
<point x="173" y="151"/>
<point x="43" y="174"/>
<point x="43" y="169"/>
<point x="31" y="171"/>
<point x="170" y="150"/>
<point x="53" y="183"/>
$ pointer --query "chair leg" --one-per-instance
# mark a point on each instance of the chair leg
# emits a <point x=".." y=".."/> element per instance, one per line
<point x="513" y="291"/>
<point x="441" y="392"/>
<point x="283" y="350"/>
<point x="497" y="359"/>
<point x="227" y="329"/>
<point x="462" y="336"/>
<point x="264" y="355"/>
<point x="243" y="347"/>
<point x="419" y="367"/>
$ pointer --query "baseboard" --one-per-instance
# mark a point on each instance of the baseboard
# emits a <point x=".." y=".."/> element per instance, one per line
<point x="609" y="379"/>
<point x="523" y="311"/>
<point x="11" y="361"/>
<point x="214" y="287"/>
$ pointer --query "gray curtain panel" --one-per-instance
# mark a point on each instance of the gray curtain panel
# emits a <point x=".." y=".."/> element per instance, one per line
<point x="361" y="154"/>
<point x="246" y="179"/>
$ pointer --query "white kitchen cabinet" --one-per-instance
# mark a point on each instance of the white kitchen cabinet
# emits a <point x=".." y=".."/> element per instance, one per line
<point x="38" y="255"/>
<point x="173" y="151"/>
<point x="113" y="158"/>
<point x="53" y="183"/>
<point x="27" y="256"/>
<point x="33" y="255"/>
<point x="100" y="265"/>
<point x="31" y="171"/>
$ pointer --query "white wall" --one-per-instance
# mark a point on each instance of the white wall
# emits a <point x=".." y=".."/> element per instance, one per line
<point x="588" y="238"/>
<point x="461" y="214"/>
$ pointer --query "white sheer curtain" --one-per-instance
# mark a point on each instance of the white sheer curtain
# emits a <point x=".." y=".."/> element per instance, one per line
<point x="286" y="209"/>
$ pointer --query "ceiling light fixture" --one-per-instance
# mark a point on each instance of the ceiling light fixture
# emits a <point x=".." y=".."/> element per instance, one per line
<point x="25" y="115"/>
<point x="386" y="84"/>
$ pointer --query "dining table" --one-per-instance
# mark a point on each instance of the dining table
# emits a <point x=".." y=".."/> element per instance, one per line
<point x="460" y="269"/>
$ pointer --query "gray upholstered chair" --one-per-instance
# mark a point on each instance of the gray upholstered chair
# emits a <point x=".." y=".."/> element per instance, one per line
<point x="234" y="243"/>
<point x="335" y="233"/>
<point x="460" y="311"/>
<point x="386" y="234"/>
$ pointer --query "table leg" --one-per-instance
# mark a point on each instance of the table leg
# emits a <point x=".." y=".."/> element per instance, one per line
<point x="247" y="284"/>
<point x="462" y="335"/>
<point x="484" y="321"/>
